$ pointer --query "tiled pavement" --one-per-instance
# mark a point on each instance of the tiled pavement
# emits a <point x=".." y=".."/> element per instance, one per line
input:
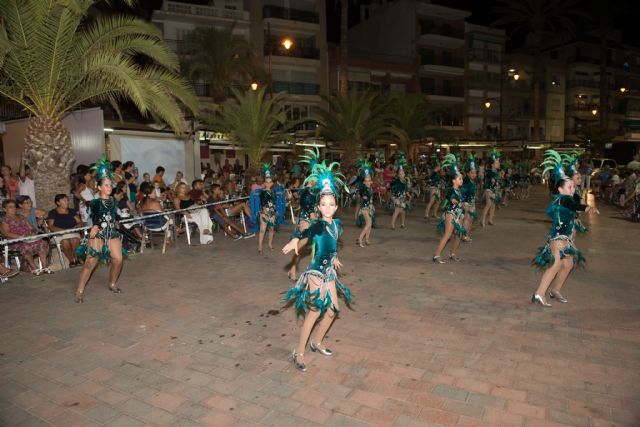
<point x="199" y="338"/>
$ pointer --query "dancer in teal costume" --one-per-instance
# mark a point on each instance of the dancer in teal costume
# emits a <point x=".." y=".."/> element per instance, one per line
<point x="491" y="186"/>
<point x="308" y="202"/>
<point x="434" y="189"/>
<point x="451" y="223"/>
<point x="571" y="167"/>
<point x="399" y="192"/>
<point x="316" y="294"/>
<point x="468" y="191"/>
<point x="105" y="242"/>
<point x="559" y="256"/>
<point x="367" y="212"/>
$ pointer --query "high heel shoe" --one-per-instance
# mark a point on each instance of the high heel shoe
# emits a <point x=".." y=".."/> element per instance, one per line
<point x="299" y="366"/>
<point x="79" y="297"/>
<point x="292" y="276"/>
<point x="437" y="260"/>
<point x="116" y="290"/>
<point x="539" y="299"/>
<point x="558" y="297"/>
<point x="366" y="242"/>
<point x="359" y="243"/>
<point x="453" y="257"/>
<point x="324" y="351"/>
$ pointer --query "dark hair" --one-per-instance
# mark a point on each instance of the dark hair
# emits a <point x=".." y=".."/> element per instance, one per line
<point x="82" y="169"/>
<point x="196" y="181"/>
<point x="115" y="164"/>
<point x="127" y="164"/>
<point x="5" y="202"/>
<point x="159" y="169"/>
<point x="214" y="186"/>
<point x="101" y="180"/>
<point x="21" y="199"/>
<point x="59" y="197"/>
<point x="146" y="189"/>
<point x="118" y="190"/>
<point x="554" y="184"/>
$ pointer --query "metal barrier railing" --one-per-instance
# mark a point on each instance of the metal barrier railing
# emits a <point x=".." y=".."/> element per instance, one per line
<point x="139" y="219"/>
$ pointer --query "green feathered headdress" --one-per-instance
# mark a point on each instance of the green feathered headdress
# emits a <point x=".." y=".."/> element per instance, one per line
<point x="435" y="160"/>
<point x="553" y="166"/>
<point x="450" y="165"/>
<point x="571" y="161"/>
<point x="311" y="157"/>
<point x="327" y="180"/>
<point x="470" y="164"/>
<point x="493" y="155"/>
<point x="401" y="162"/>
<point x="267" y="171"/>
<point x="365" y="168"/>
<point x="102" y="168"/>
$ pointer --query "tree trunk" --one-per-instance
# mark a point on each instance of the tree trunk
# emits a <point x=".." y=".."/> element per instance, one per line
<point x="49" y="154"/>
<point x="603" y="108"/>
<point x="344" y="30"/>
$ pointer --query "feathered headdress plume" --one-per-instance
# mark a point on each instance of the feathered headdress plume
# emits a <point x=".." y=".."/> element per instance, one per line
<point x="102" y="168"/>
<point x="267" y="171"/>
<point x="401" y="162"/>
<point x="450" y="165"/>
<point x="552" y="165"/>
<point x="493" y="155"/>
<point x="571" y="161"/>
<point x="311" y="157"/>
<point x="364" y="168"/>
<point x="434" y="160"/>
<point x="327" y="180"/>
<point x="470" y="164"/>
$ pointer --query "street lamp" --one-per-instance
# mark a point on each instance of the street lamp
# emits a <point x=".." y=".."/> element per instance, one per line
<point x="287" y="43"/>
<point x="516" y="76"/>
<point x="623" y="89"/>
<point x="594" y="111"/>
<point x="254" y="86"/>
<point x="487" y="104"/>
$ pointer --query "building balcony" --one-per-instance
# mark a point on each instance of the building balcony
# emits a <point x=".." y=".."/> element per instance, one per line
<point x="204" y="11"/>
<point x="301" y="52"/>
<point x="290" y="14"/>
<point x="440" y="40"/>
<point x="454" y="70"/>
<point x="295" y="88"/>
<point x="483" y="55"/>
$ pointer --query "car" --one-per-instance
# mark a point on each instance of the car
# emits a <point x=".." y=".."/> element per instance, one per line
<point x="600" y="163"/>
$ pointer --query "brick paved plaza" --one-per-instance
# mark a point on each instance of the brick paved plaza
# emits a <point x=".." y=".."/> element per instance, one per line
<point x="198" y="336"/>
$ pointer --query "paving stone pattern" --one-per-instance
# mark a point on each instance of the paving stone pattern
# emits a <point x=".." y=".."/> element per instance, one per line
<point x="199" y="336"/>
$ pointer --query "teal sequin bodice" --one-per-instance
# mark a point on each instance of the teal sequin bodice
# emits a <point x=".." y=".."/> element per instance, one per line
<point x="452" y="194"/>
<point x="366" y="194"/>
<point x="267" y="199"/>
<point x="398" y="187"/>
<point x="324" y="236"/>
<point x="468" y="190"/>
<point x="562" y="212"/>
<point x="492" y="180"/>
<point x="104" y="214"/>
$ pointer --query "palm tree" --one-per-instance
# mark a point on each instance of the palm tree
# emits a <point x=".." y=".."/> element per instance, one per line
<point x="220" y="58"/>
<point x="343" y="78"/>
<point x="254" y="122"/>
<point x="53" y="59"/>
<point x="410" y="119"/>
<point x="538" y="19"/>
<point x="353" y="121"/>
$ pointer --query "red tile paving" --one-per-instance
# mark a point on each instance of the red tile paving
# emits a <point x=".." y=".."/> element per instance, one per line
<point x="199" y="338"/>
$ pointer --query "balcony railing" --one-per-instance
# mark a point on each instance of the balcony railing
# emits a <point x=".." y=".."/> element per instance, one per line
<point x="583" y="83"/>
<point x="302" y="52"/>
<point x="456" y="92"/>
<point x="484" y="55"/>
<point x="446" y="62"/>
<point x="291" y="14"/>
<point x="442" y="30"/>
<point x="208" y="11"/>
<point x="296" y="88"/>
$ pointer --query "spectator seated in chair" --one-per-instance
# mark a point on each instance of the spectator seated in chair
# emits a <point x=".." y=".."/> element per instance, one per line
<point x="219" y="215"/>
<point x="14" y="226"/>
<point x="200" y="217"/>
<point x="65" y="218"/>
<point x="35" y="216"/>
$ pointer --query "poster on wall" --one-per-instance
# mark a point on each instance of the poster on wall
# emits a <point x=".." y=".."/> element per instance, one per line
<point x="149" y="153"/>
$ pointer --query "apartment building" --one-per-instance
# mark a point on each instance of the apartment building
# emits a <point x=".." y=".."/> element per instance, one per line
<point x="289" y="36"/>
<point x="621" y="103"/>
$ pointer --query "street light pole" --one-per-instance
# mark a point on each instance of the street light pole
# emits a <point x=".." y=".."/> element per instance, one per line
<point x="270" y="53"/>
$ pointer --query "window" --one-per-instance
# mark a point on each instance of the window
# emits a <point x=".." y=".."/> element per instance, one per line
<point x="428" y="86"/>
<point x="447" y="88"/>
<point x="446" y="58"/>
<point x="426" y="27"/>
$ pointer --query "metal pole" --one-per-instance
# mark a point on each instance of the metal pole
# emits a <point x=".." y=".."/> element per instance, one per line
<point x="270" y="53"/>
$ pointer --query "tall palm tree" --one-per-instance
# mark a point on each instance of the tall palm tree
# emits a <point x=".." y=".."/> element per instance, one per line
<point x="354" y="120"/>
<point x="538" y="19"/>
<point x="222" y="59"/>
<point x="410" y="119"/>
<point x="343" y="76"/>
<point x="54" y="59"/>
<point x="254" y="122"/>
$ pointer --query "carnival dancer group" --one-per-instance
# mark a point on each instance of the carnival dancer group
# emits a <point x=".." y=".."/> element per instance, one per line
<point x="452" y="185"/>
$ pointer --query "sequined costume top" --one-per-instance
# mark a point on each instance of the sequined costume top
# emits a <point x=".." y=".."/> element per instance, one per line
<point x="268" y="200"/>
<point x="399" y="188"/>
<point x="492" y="180"/>
<point x="366" y="194"/>
<point x="308" y="201"/>
<point x="468" y="190"/>
<point x="434" y="179"/>
<point x="324" y="238"/>
<point x="563" y="211"/>
<point x="104" y="214"/>
<point x="453" y="194"/>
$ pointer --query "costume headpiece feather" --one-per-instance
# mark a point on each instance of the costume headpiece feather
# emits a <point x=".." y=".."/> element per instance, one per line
<point x="493" y="155"/>
<point x="450" y="164"/>
<point x="552" y="165"/>
<point x="102" y="168"/>
<point x="327" y="180"/>
<point x="311" y="157"/>
<point x="571" y="161"/>
<point x="267" y="171"/>
<point x="435" y="161"/>
<point x="401" y="162"/>
<point x="470" y="164"/>
<point x="364" y="168"/>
